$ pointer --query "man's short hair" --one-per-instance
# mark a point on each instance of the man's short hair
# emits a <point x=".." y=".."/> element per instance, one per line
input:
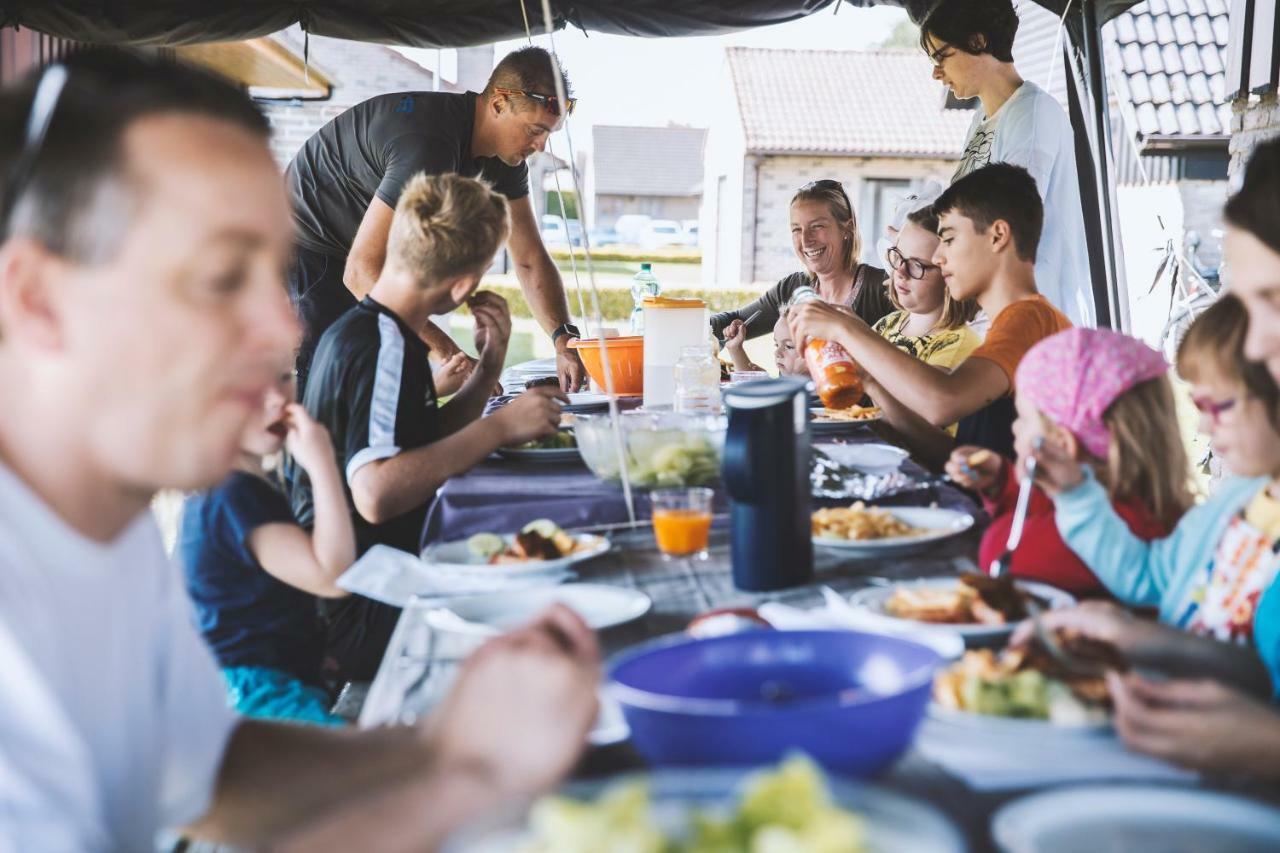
<point x="530" y="69"/>
<point x="974" y="26"/>
<point x="1000" y="191"/>
<point x="76" y="197"/>
<point x="446" y="226"/>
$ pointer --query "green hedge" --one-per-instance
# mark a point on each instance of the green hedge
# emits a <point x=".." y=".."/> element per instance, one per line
<point x="634" y="256"/>
<point x="616" y="303"/>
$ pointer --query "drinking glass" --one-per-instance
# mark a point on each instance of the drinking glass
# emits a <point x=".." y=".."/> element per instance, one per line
<point x="682" y="522"/>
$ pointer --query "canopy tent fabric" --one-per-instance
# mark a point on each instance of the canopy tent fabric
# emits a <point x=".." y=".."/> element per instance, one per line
<point x="422" y="23"/>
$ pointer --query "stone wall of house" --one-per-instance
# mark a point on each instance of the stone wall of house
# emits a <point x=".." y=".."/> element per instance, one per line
<point x="1255" y="119"/>
<point x="770" y="182"/>
<point x="359" y="70"/>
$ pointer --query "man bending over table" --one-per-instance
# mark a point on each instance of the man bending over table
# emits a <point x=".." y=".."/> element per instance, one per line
<point x="371" y="386"/>
<point x="142" y="319"/>
<point x="346" y="179"/>
<point x="989" y="222"/>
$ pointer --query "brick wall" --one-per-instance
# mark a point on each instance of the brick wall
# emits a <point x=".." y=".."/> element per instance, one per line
<point x="1254" y="120"/>
<point x="766" y="245"/>
<point x="359" y="70"/>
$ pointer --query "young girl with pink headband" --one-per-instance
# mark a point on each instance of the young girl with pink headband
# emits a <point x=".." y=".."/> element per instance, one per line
<point x="1103" y="399"/>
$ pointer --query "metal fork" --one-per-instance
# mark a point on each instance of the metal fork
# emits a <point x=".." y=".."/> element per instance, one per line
<point x="1001" y="564"/>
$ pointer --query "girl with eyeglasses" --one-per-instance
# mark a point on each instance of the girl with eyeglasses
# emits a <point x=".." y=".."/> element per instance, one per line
<point x="930" y="324"/>
<point x="824" y="235"/>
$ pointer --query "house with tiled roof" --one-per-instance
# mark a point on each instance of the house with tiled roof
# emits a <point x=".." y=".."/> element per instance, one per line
<point x="874" y="120"/>
<point x="655" y="171"/>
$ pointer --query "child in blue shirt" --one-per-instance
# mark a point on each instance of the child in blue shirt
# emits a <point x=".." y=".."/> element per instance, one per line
<point x="1215" y="575"/>
<point x="254" y="574"/>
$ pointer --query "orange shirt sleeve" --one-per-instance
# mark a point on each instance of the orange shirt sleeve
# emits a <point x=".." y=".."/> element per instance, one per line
<point x="1017" y="329"/>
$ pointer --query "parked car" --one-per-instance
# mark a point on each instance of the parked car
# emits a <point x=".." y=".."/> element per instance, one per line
<point x="662" y="232"/>
<point x="553" y="233"/>
<point x="690" y="232"/>
<point x="631" y="228"/>
<point x="603" y="237"/>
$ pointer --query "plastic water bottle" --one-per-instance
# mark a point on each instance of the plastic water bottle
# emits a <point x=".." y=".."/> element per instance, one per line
<point x="697" y="381"/>
<point x="643" y="285"/>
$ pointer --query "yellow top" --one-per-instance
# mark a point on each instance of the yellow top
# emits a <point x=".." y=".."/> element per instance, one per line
<point x="672" y="302"/>
<point x="1263" y="512"/>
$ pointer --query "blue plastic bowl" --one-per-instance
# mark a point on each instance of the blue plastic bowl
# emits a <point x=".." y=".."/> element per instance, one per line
<point x="852" y="701"/>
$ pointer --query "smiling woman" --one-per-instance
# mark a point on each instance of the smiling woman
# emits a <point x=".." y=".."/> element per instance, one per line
<point x="824" y="235"/>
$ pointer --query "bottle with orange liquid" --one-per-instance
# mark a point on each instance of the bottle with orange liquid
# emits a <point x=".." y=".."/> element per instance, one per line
<point x="832" y="369"/>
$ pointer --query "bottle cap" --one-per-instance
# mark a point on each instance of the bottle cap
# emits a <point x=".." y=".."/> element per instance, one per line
<point x="645" y="266"/>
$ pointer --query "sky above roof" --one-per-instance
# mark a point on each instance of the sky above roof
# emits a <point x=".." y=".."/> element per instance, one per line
<point x="623" y="80"/>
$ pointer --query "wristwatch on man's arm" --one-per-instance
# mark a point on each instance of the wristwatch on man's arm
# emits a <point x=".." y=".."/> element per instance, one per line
<point x="568" y="329"/>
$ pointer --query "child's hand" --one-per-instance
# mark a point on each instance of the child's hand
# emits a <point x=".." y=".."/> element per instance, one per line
<point x="1056" y="470"/>
<point x="452" y="373"/>
<point x="493" y="327"/>
<point x="533" y="414"/>
<point x="306" y="440"/>
<point x="1102" y="622"/>
<point x="976" y="468"/>
<point x="735" y="337"/>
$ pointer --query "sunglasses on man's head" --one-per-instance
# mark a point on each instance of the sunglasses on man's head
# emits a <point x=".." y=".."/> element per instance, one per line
<point x="43" y="103"/>
<point x="551" y="102"/>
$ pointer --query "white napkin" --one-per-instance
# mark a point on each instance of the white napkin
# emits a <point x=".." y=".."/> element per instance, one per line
<point x="393" y="577"/>
<point x="838" y="613"/>
<point x="997" y="760"/>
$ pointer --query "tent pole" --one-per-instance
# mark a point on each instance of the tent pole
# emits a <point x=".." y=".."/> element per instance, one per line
<point x="1115" y="309"/>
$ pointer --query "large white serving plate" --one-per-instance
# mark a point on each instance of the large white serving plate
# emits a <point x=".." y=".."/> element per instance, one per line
<point x="894" y="823"/>
<point x="599" y="605"/>
<point x="939" y="524"/>
<point x="874" y="599"/>
<point x="1164" y="818"/>
<point x="457" y="557"/>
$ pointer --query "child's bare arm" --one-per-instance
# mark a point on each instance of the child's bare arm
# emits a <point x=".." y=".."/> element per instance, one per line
<point x="310" y="562"/>
<point x="390" y="487"/>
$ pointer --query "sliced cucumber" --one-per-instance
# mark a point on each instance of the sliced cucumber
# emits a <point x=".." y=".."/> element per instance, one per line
<point x="544" y="527"/>
<point x="486" y="545"/>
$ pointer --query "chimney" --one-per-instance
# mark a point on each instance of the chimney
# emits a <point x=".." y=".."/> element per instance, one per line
<point x="475" y="64"/>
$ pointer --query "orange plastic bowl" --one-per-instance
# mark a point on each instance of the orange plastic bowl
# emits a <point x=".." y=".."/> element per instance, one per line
<point x="626" y="362"/>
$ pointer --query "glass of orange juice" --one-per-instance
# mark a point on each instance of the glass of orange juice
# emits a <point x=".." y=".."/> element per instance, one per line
<point x="682" y="522"/>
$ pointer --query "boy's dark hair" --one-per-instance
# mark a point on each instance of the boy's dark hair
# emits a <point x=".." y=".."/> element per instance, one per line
<point x="75" y="194"/>
<point x="530" y="69"/>
<point x="1256" y="207"/>
<point x="1000" y="191"/>
<point x="974" y="26"/>
<point x="1215" y="345"/>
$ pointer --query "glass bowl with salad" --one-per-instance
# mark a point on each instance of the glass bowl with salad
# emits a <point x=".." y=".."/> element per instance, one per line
<point x="662" y="449"/>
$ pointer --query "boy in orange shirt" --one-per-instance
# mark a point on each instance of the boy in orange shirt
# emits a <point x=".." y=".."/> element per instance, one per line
<point x="989" y="225"/>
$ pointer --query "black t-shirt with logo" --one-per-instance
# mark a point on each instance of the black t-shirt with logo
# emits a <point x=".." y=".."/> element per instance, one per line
<point x="371" y="387"/>
<point x="373" y="149"/>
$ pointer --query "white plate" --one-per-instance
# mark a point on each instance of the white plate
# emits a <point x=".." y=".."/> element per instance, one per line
<point x="457" y="557"/>
<point x="820" y="418"/>
<point x="940" y="523"/>
<point x="873" y="600"/>
<point x="867" y="457"/>
<point x="894" y="823"/>
<point x="586" y="401"/>
<point x="540" y="454"/>
<point x="600" y="606"/>
<point x="1169" y="819"/>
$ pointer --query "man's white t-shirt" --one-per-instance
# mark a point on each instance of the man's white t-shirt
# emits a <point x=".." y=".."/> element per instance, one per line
<point x="1031" y="130"/>
<point x="113" y="716"/>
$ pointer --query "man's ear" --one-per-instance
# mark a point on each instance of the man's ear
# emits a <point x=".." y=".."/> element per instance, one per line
<point x="1000" y="235"/>
<point x="30" y="276"/>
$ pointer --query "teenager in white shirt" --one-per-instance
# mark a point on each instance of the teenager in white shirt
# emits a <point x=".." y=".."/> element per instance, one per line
<point x="970" y="43"/>
<point x="142" y="319"/>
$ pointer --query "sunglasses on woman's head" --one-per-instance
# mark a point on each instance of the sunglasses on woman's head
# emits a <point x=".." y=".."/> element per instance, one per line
<point x="827" y="184"/>
<point x="550" y="102"/>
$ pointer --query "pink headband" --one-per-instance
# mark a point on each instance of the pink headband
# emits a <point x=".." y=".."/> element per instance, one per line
<point x="1075" y="376"/>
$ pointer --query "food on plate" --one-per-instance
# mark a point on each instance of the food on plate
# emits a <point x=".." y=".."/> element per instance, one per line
<point x="978" y="457"/>
<point x="1023" y="682"/>
<point x="567" y="420"/>
<point x="974" y="600"/>
<point x="559" y="440"/>
<point x="783" y="810"/>
<point x="538" y="540"/>
<point x="853" y="413"/>
<point x="683" y="460"/>
<point x="860" y="522"/>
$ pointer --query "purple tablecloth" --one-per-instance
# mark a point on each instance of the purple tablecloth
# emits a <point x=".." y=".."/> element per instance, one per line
<point x="500" y="496"/>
